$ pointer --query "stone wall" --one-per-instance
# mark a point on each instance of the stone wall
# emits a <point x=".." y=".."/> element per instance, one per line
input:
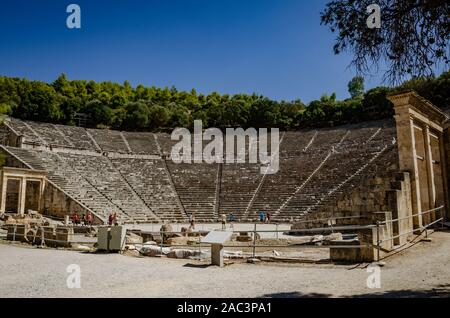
<point x="368" y="203"/>
<point x="57" y="204"/>
<point x="370" y="196"/>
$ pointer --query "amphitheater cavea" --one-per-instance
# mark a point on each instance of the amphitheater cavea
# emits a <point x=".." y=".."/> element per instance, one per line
<point x="353" y="174"/>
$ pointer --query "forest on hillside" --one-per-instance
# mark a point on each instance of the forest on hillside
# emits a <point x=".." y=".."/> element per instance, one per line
<point x="140" y="108"/>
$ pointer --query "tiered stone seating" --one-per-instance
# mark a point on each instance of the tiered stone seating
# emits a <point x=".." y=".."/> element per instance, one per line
<point x="346" y="162"/>
<point x="277" y="188"/>
<point x="294" y="142"/>
<point x="316" y="167"/>
<point x="78" y="137"/>
<point x="165" y="143"/>
<point x="238" y="185"/>
<point x="300" y="154"/>
<point x="49" y="134"/>
<point x="149" y="178"/>
<point x="196" y="187"/>
<point x="22" y="129"/>
<point x="109" y="140"/>
<point x="141" y="143"/>
<point x="68" y="180"/>
<point x="386" y="161"/>
<point x="99" y="172"/>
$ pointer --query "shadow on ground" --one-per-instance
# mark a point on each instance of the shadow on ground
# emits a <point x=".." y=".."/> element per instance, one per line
<point x="197" y="265"/>
<point x="441" y="291"/>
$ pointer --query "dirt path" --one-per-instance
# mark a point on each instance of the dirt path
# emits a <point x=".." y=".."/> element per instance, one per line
<point x="29" y="272"/>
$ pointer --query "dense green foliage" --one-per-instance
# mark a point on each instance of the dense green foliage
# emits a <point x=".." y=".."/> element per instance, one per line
<point x="149" y="108"/>
<point x="412" y="39"/>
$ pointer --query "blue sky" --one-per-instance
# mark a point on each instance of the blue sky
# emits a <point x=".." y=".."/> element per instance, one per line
<point x="275" y="48"/>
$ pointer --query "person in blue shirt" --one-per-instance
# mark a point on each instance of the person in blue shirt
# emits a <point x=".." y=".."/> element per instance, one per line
<point x="262" y="217"/>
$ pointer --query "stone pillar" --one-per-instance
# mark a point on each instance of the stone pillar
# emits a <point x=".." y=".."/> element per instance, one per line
<point x="3" y="195"/>
<point x="217" y="254"/>
<point x="407" y="154"/>
<point x="41" y="196"/>
<point x="430" y="169"/>
<point x="22" y="194"/>
<point x="414" y="173"/>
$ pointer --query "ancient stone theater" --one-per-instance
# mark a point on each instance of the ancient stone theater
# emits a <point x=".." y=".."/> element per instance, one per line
<point x="386" y="169"/>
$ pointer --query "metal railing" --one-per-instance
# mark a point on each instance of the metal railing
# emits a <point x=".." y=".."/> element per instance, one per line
<point x="164" y="235"/>
<point x="41" y="231"/>
<point x="423" y="228"/>
<point x="253" y="246"/>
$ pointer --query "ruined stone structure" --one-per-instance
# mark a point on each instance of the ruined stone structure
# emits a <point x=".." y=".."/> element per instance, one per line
<point x="395" y="165"/>
<point x="420" y="131"/>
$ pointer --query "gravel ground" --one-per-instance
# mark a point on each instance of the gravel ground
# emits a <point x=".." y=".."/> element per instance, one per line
<point x="423" y="270"/>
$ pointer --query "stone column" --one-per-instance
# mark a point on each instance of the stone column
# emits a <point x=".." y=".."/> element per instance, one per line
<point x="415" y="180"/>
<point x="430" y="166"/>
<point x="22" y="194"/>
<point x="41" y="195"/>
<point x="430" y="173"/>
<point x="3" y="197"/>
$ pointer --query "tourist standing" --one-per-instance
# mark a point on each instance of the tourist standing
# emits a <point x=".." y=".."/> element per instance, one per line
<point x="110" y="219"/>
<point x="192" y="222"/>
<point x="224" y="221"/>
<point x="262" y="216"/>
<point x="89" y="218"/>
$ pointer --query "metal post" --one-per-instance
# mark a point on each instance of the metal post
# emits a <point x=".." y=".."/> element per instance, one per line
<point x="442" y="218"/>
<point x="14" y="233"/>
<point x="162" y="240"/>
<point x="254" y="242"/>
<point x="42" y="237"/>
<point x="378" y="241"/>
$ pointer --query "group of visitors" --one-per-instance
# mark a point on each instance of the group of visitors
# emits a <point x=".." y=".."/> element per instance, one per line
<point x="88" y="219"/>
<point x="264" y="217"/>
<point x="85" y="219"/>
<point x="231" y="218"/>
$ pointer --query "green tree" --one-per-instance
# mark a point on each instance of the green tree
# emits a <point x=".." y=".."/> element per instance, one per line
<point x="356" y="87"/>
<point x="158" y="116"/>
<point x="137" y="116"/>
<point x="412" y="40"/>
<point x="98" y="113"/>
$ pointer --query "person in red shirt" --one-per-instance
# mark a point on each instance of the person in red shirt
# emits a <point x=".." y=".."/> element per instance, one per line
<point x="89" y="218"/>
<point x="75" y="218"/>
<point x="110" y="219"/>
